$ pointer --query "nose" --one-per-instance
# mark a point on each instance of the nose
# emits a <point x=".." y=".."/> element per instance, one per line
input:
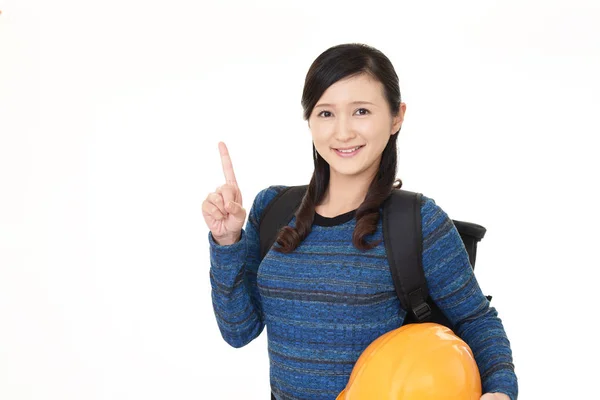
<point x="343" y="130"/>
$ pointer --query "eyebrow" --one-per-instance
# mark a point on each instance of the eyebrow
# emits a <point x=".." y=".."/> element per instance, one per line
<point x="354" y="102"/>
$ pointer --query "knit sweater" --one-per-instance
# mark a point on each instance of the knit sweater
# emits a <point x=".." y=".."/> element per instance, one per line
<point x="325" y="302"/>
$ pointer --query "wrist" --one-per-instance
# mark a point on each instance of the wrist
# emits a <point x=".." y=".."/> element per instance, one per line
<point x="228" y="240"/>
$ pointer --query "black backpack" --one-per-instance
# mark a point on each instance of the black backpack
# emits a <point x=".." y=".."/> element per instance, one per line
<point x="401" y="227"/>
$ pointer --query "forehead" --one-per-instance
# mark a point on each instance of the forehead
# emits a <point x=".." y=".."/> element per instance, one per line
<point x="357" y="88"/>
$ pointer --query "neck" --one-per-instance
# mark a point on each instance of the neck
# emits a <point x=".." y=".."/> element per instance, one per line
<point x="344" y="193"/>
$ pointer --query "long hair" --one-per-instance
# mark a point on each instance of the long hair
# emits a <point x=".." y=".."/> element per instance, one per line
<point x="336" y="63"/>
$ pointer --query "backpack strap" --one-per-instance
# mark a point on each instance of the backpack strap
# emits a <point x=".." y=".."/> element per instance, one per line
<point x="278" y="213"/>
<point x="402" y="235"/>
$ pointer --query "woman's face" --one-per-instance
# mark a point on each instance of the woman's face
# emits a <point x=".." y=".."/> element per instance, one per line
<point x="353" y="112"/>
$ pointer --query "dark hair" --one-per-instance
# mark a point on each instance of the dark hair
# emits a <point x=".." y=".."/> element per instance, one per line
<point x="336" y="63"/>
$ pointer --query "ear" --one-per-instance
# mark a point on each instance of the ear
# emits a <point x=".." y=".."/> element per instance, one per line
<point x="397" y="121"/>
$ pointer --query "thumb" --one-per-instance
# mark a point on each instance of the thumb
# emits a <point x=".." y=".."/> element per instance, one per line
<point x="236" y="210"/>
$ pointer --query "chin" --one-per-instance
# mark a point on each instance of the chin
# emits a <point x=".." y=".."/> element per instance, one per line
<point x="346" y="171"/>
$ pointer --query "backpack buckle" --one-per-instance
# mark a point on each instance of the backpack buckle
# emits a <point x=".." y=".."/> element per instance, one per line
<point x="422" y="312"/>
<point x="418" y="303"/>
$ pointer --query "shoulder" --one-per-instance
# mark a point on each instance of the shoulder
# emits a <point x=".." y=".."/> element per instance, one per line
<point x="266" y="195"/>
<point x="433" y="217"/>
<point x="263" y="199"/>
<point x="430" y="208"/>
<point x="438" y="229"/>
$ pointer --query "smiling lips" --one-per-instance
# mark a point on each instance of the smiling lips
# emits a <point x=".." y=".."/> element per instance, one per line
<point x="348" y="151"/>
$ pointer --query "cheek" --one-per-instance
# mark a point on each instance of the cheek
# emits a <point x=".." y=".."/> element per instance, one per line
<point x="321" y="146"/>
<point x="319" y="142"/>
<point x="319" y="136"/>
<point x="373" y="133"/>
<point x="378" y="142"/>
<point x="370" y="129"/>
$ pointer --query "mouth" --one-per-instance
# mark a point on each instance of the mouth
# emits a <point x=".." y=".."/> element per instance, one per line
<point x="348" y="151"/>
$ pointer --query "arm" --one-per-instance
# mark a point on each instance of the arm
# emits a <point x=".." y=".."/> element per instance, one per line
<point x="233" y="270"/>
<point x="454" y="288"/>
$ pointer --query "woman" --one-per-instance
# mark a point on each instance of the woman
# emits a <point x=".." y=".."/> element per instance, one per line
<point x="324" y="290"/>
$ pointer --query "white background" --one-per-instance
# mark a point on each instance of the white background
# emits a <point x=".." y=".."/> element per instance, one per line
<point x="110" y="115"/>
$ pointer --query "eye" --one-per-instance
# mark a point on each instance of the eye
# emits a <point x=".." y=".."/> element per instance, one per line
<point x="360" y="109"/>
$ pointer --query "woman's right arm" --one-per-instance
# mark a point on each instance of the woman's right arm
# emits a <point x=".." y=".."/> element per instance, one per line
<point x="233" y="270"/>
<point x="235" y="256"/>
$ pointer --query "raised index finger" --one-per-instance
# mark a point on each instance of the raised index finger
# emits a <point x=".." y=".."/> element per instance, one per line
<point x="227" y="165"/>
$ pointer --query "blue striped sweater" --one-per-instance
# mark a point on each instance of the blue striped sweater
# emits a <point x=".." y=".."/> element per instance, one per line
<point x="324" y="303"/>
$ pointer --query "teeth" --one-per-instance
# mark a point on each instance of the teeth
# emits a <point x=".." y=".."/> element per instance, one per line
<point x="349" y="150"/>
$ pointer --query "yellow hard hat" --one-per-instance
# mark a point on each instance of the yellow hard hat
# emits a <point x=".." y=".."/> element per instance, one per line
<point x="415" y="362"/>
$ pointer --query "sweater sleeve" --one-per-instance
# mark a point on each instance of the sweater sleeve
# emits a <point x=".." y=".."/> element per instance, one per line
<point x="454" y="288"/>
<point x="233" y="272"/>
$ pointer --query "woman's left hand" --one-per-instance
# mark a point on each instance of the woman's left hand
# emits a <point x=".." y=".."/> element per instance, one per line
<point x="495" y="396"/>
